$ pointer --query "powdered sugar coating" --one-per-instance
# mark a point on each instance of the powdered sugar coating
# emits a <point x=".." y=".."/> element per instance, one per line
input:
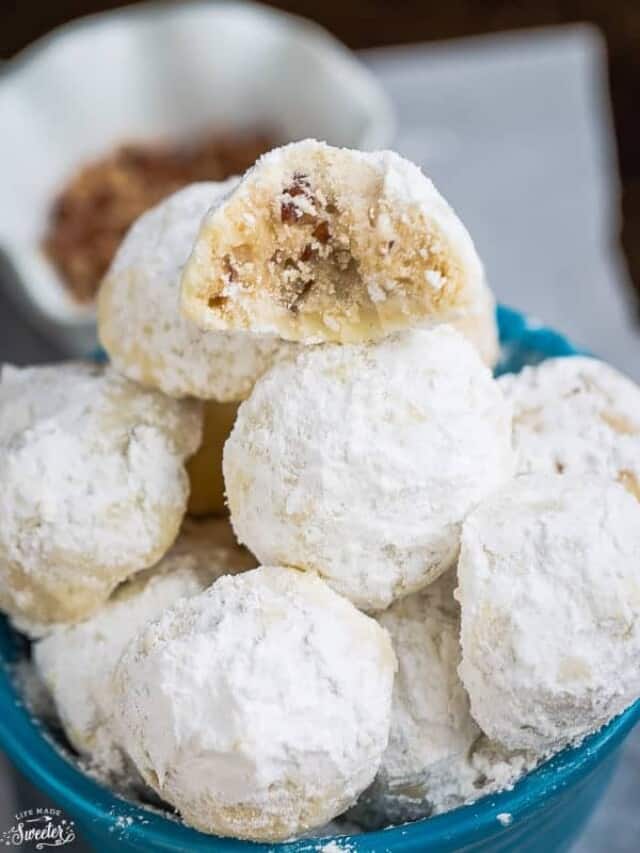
<point x="479" y="325"/>
<point x="424" y="632"/>
<point x="550" y="595"/>
<point x="77" y="662"/>
<point x="139" y="317"/>
<point x="260" y="708"/>
<point x="576" y="415"/>
<point x="437" y="758"/>
<point x="360" y="461"/>
<point x="322" y="244"/>
<point x="93" y="486"/>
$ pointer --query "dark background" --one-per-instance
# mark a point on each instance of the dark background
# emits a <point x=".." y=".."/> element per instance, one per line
<point x="367" y="24"/>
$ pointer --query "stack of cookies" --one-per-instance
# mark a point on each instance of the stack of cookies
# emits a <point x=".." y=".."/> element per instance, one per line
<point x="380" y="627"/>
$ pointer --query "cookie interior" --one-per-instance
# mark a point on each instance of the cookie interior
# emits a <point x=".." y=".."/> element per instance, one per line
<point x="311" y="249"/>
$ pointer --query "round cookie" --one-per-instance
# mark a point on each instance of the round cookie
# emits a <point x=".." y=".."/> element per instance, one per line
<point x="139" y="319"/>
<point x="550" y="596"/>
<point x="260" y="708"/>
<point x="93" y="486"/>
<point x="361" y="461"/>
<point x="576" y="416"/>
<point x="77" y="662"/>
<point x="437" y="758"/>
<point x="206" y="496"/>
<point x="432" y="731"/>
<point x="480" y="326"/>
<point x="322" y="244"/>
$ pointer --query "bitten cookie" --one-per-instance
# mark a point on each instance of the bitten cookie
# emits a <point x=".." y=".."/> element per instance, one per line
<point x="77" y="662"/>
<point x="139" y="319"/>
<point x="361" y="461"/>
<point x="324" y="244"/>
<point x="93" y="486"/>
<point x="260" y="708"/>
<point x="479" y="325"/>
<point x="576" y="416"/>
<point x="550" y="596"/>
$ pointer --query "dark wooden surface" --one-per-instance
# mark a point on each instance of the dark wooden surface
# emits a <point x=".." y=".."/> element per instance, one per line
<point x="378" y="22"/>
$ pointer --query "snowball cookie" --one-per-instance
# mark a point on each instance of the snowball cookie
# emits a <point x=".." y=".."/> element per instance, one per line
<point x="93" y="486"/>
<point x="206" y="496"/>
<point x="360" y="461"/>
<point x="260" y="708"/>
<point x="576" y="415"/>
<point x="480" y="326"/>
<point x="432" y="730"/>
<point x="326" y="244"/>
<point x="437" y="758"/>
<point x="139" y="319"/>
<point x="550" y="595"/>
<point x="77" y="662"/>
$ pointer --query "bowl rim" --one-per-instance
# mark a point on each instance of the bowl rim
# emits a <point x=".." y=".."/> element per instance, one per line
<point x="32" y="750"/>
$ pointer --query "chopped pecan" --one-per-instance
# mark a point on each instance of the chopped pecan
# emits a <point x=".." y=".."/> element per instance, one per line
<point x="321" y="232"/>
<point x="230" y="270"/>
<point x="303" y="289"/>
<point x="290" y="213"/>
<point x="216" y="301"/>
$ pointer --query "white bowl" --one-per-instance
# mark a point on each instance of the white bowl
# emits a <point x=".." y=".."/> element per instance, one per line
<point x="158" y="71"/>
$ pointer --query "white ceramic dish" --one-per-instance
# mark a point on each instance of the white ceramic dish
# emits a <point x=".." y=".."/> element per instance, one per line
<point x="158" y="71"/>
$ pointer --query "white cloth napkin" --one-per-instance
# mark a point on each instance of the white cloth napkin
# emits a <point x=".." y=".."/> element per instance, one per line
<point x="516" y="131"/>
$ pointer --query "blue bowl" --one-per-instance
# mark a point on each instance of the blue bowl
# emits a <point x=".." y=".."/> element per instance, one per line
<point x="543" y="813"/>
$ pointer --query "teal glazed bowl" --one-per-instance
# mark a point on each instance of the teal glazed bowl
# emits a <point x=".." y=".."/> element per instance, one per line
<point x="543" y="813"/>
